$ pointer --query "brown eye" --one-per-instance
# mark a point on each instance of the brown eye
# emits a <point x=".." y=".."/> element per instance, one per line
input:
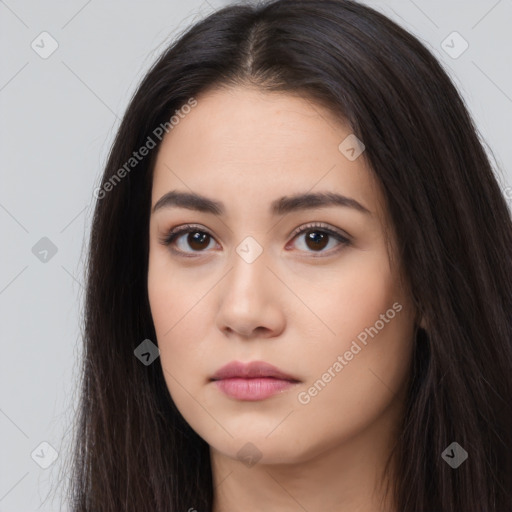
<point x="316" y="240"/>
<point x="198" y="240"/>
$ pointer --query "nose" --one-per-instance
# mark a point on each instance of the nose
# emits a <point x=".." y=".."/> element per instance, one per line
<point x="249" y="300"/>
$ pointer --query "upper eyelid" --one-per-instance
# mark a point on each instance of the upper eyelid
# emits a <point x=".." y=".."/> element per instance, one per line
<point x="179" y="231"/>
<point x="320" y="226"/>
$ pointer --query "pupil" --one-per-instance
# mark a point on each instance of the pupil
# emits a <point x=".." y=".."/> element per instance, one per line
<point x="197" y="238"/>
<point x="318" y="239"/>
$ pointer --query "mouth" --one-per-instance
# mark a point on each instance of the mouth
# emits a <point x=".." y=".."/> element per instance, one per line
<point x="254" y="381"/>
<point x="253" y="389"/>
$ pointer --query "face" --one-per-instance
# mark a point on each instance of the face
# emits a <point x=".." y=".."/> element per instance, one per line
<point x="306" y="286"/>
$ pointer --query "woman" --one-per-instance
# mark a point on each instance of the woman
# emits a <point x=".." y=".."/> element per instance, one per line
<point x="298" y="212"/>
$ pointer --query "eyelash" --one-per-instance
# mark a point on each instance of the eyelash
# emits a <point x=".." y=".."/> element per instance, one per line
<point x="175" y="233"/>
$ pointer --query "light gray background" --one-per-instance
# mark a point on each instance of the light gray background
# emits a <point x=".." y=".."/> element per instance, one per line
<point x="59" y="116"/>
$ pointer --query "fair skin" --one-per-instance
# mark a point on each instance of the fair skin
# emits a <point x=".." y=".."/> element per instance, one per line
<point x="297" y="306"/>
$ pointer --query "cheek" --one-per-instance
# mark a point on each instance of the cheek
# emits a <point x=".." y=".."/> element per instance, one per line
<point x="179" y="320"/>
<point x="353" y="383"/>
<point x="352" y="296"/>
<point x="179" y="355"/>
<point x="172" y="294"/>
<point x="173" y="305"/>
<point x="183" y="312"/>
<point x="372" y="328"/>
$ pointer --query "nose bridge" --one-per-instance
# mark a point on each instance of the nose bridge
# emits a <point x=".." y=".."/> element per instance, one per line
<point x="246" y="300"/>
<point x="249" y="271"/>
<point x="246" y="295"/>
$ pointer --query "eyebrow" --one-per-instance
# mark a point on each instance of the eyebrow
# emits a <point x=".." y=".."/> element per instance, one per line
<point x="281" y="206"/>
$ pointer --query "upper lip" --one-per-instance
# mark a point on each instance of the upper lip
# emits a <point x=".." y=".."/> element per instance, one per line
<point x="251" y="370"/>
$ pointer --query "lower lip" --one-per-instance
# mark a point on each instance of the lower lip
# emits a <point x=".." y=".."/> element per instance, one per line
<point x="253" y="389"/>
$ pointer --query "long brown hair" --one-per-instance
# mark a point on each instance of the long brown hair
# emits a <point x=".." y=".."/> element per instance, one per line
<point x="133" y="449"/>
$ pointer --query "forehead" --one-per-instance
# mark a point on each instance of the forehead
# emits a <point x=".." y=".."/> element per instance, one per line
<point x="243" y="145"/>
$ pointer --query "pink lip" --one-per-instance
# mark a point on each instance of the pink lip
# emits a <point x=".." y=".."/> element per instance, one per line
<point x="256" y="380"/>
<point x="253" y="389"/>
